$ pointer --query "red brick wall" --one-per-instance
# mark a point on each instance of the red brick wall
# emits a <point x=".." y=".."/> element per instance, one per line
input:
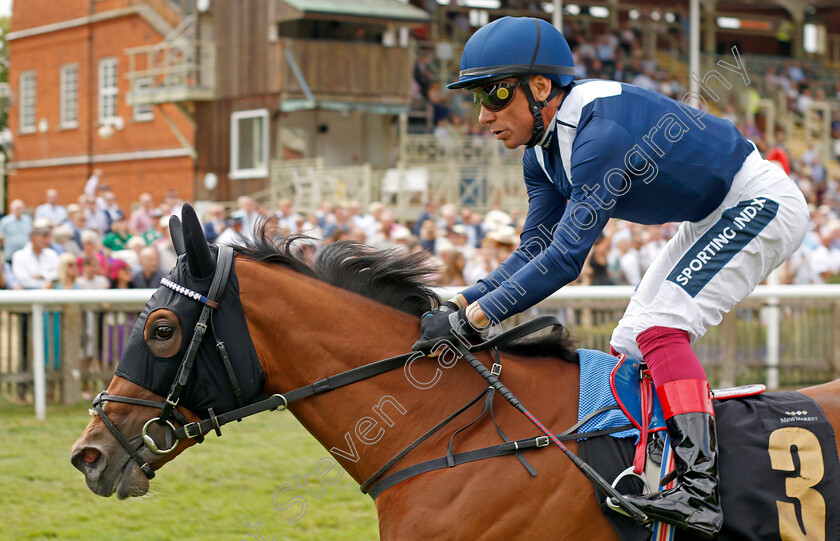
<point x="46" y="53"/>
<point x="126" y="179"/>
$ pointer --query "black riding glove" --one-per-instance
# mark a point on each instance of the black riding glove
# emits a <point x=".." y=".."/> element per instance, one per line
<point x="438" y="326"/>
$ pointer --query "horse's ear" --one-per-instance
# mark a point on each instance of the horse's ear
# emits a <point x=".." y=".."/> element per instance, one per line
<point x="177" y="235"/>
<point x="199" y="259"/>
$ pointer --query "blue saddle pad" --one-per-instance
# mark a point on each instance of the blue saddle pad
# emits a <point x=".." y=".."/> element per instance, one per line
<point x="596" y="392"/>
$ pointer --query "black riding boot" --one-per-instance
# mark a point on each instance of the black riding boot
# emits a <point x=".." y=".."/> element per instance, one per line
<point x="694" y="504"/>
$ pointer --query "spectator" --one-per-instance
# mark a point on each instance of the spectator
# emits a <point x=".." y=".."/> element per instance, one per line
<point x="118" y="237"/>
<point x="172" y="204"/>
<point x="428" y="214"/>
<point x="119" y="274"/>
<point x="631" y="267"/>
<point x="214" y="222"/>
<point x="15" y="227"/>
<point x="387" y="227"/>
<point x="453" y="270"/>
<point x="62" y="237"/>
<point x="68" y="271"/>
<point x="131" y="253"/>
<point x="360" y="220"/>
<point x="168" y="257"/>
<point x="142" y="219"/>
<point x="8" y="276"/>
<point x="652" y="246"/>
<point x="149" y="275"/>
<point x="247" y="211"/>
<point x="76" y="222"/>
<point x="598" y="262"/>
<point x="232" y="235"/>
<point x="91" y="277"/>
<point x="51" y="210"/>
<point x="286" y="215"/>
<point x="95" y="216"/>
<point x="36" y="265"/>
<point x="111" y="208"/>
<point x="428" y="235"/>
<point x="804" y="101"/>
<point x="92" y="247"/>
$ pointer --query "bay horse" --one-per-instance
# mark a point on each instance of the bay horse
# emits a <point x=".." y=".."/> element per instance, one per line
<point x="298" y="322"/>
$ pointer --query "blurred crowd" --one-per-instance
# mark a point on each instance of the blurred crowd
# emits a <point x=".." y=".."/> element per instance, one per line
<point x="625" y="250"/>
<point x="96" y="244"/>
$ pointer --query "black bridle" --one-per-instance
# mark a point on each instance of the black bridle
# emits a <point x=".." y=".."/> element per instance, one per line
<point x="224" y="264"/>
<point x="196" y="429"/>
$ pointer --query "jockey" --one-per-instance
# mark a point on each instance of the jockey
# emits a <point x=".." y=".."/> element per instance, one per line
<point x="597" y="150"/>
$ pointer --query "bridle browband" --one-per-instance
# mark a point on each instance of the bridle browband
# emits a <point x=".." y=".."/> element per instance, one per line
<point x="374" y="484"/>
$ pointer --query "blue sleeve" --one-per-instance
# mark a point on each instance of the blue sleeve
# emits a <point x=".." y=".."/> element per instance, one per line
<point x="545" y="205"/>
<point x="598" y="150"/>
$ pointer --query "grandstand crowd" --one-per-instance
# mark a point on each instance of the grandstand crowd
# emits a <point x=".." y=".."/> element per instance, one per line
<point x="94" y="243"/>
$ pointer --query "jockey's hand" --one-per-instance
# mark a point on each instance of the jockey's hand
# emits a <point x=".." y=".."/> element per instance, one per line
<point x="438" y="326"/>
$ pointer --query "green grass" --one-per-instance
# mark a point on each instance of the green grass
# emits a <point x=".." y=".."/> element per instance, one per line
<point x="208" y="493"/>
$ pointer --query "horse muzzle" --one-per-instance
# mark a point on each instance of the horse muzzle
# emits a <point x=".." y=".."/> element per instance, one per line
<point x="108" y="471"/>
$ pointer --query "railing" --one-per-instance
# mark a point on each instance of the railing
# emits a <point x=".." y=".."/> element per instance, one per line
<point x="782" y="335"/>
<point x="180" y="70"/>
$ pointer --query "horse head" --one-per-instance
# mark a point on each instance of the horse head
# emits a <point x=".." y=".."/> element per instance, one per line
<point x="168" y="374"/>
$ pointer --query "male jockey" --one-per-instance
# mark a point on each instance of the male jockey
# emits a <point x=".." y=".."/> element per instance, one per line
<point x="597" y="150"/>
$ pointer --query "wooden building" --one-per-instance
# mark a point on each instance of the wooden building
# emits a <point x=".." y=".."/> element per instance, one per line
<point x="199" y="96"/>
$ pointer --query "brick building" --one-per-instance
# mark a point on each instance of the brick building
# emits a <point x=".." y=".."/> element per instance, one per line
<point x="200" y="96"/>
<point x="69" y="112"/>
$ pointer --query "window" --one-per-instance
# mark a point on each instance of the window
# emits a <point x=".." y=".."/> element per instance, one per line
<point x="142" y="86"/>
<point x="27" y="102"/>
<point x="107" y="90"/>
<point x="249" y="144"/>
<point x="69" y="105"/>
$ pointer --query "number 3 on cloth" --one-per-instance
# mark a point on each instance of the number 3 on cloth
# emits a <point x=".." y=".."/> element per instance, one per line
<point x="811" y="472"/>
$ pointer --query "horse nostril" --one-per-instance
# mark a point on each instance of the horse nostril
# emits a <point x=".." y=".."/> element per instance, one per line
<point x="87" y="460"/>
<point x="90" y="455"/>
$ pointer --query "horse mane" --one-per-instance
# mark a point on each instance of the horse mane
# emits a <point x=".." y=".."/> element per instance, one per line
<point x="557" y="343"/>
<point x="390" y="277"/>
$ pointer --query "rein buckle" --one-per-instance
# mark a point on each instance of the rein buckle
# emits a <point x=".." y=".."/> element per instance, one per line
<point x="542" y="441"/>
<point x="188" y="427"/>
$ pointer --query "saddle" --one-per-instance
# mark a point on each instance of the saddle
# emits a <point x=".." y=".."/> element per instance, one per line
<point x="634" y="393"/>
<point x="758" y="436"/>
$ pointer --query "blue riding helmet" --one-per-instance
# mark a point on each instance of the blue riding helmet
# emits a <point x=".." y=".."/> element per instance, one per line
<point x="514" y="46"/>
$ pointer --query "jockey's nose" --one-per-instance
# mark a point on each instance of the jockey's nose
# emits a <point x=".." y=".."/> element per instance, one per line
<point x="485" y="116"/>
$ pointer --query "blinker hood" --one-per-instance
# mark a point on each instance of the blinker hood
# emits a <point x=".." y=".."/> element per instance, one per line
<point x="209" y="384"/>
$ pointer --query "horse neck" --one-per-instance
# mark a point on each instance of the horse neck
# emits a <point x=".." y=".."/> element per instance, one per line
<point x="305" y="330"/>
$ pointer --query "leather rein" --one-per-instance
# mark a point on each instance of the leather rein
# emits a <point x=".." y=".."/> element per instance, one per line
<point x="280" y="402"/>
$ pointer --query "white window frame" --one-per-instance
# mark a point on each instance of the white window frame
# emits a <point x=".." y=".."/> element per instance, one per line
<point x="108" y="90"/>
<point x="235" y="171"/>
<point x="69" y="97"/>
<point x="28" y="86"/>
<point x="145" y="112"/>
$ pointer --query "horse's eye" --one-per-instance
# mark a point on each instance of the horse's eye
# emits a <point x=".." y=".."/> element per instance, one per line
<point x="164" y="332"/>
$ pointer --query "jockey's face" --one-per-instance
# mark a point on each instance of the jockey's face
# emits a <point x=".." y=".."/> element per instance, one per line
<point x="513" y="125"/>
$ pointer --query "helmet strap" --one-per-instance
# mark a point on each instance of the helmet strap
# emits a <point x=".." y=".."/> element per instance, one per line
<point x="539" y="135"/>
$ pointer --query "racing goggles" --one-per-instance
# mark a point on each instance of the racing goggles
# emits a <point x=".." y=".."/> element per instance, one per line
<point x="496" y="96"/>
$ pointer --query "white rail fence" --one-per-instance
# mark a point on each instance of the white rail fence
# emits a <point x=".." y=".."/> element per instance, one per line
<point x="786" y="335"/>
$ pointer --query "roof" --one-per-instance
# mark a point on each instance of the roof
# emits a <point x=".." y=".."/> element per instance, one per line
<point x="368" y="9"/>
